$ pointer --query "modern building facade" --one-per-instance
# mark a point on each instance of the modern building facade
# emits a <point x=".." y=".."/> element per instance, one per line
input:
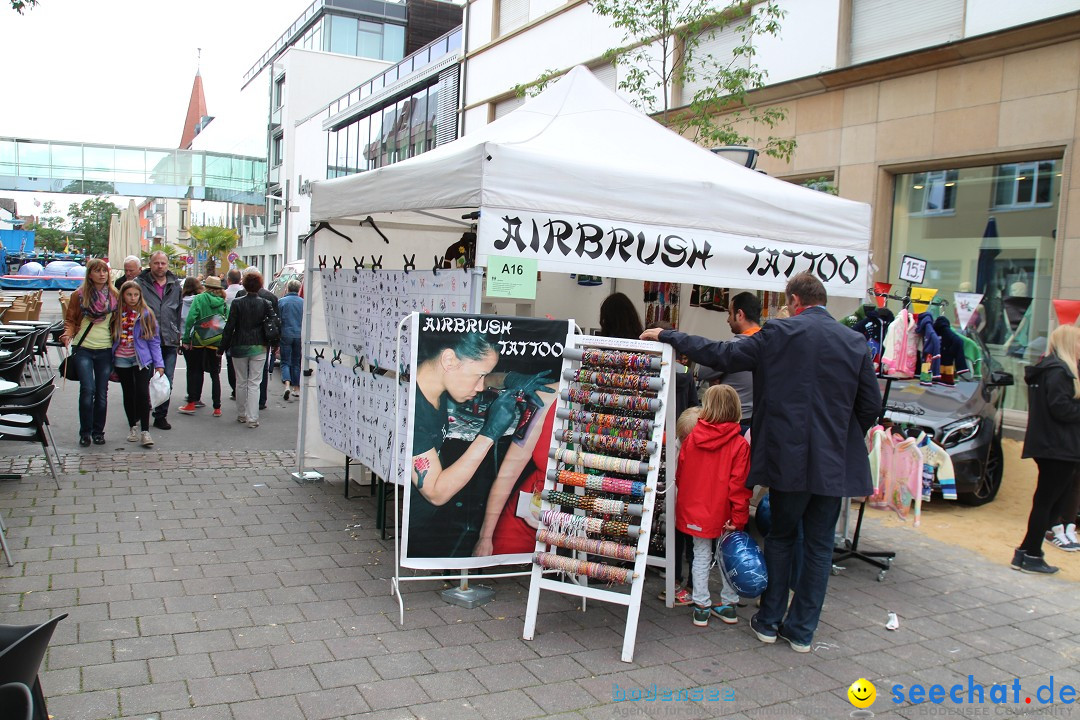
<point x="333" y="48"/>
<point x="954" y="119"/>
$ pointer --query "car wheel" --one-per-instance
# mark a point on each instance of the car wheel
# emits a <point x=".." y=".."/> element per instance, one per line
<point x="990" y="483"/>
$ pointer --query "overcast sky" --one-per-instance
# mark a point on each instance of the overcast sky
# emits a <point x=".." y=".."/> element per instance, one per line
<point x="120" y="71"/>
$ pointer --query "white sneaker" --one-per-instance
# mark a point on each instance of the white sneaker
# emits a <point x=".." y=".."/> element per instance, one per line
<point x="1070" y="532"/>
<point x="133" y="436"/>
<point x="147" y="441"/>
<point x="1056" y="537"/>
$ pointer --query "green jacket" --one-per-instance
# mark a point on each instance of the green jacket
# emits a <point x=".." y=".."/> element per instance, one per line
<point x="204" y="305"/>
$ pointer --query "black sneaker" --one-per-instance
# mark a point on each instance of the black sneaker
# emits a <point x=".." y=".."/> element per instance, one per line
<point x="1035" y="565"/>
<point x="162" y="424"/>
<point x="795" y="645"/>
<point x="286" y="395"/>
<point x="764" y="633"/>
<point x="99" y="439"/>
<point x="84" y="441"/>
<point x="1018" y="559"/>
<point x="701" y="616"/>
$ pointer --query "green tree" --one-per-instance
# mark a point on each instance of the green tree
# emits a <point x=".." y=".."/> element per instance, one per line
<point x="217" y="241"/>
<point x="90" y="219"/>
<point x="49" y="233"/>
<point x="662" y="53"/>
<point x="20" y="5"/>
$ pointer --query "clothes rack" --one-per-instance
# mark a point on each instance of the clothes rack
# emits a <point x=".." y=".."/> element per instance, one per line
<point x="881" y="559"/>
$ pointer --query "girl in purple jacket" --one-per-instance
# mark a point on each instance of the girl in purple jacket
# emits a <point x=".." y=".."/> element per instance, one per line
<point x="136" y="349"/>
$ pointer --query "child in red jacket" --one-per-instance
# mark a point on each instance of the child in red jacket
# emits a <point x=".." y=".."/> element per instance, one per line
<point x="712" y="494"/>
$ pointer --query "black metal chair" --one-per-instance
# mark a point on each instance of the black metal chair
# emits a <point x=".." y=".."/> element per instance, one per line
<point x="22" y="648"/>
<point x="14" y="368"/>
<point x="16" y="702"/>
<point x="25" y="419"/>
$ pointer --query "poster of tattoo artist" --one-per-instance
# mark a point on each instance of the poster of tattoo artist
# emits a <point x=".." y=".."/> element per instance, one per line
<point x="480" y="393"/>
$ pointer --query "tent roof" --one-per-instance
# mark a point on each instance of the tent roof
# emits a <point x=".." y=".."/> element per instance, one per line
<point x="579" y="149"/>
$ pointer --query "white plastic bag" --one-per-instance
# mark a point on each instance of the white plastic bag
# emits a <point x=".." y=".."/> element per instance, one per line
<point x="160" y="390"/>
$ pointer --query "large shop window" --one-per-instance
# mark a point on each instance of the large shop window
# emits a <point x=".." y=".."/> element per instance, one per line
<point x="990" y="230"/>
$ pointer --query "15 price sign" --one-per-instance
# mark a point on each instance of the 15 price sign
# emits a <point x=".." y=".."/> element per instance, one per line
<point x="912" y="269"/>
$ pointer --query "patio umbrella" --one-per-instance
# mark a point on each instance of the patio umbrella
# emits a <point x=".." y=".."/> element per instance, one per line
<point x="989" y="249"/>
<point x="115" y="257"/>
<point x="986" y="282"/>
<point x="130" y="242"/>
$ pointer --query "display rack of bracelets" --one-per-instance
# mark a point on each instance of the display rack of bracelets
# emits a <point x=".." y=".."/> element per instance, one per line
<point x="603" y="466"/>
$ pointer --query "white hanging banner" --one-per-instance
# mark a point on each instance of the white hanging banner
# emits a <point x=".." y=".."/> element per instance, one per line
<point x="966" y="305"/>
<point x="568" y="243"/>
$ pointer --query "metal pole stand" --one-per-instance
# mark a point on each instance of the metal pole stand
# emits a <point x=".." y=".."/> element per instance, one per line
<point x="468" y="597"/>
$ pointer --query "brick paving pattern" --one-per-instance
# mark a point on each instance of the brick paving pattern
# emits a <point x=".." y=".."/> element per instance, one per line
<point x="211" y="586"/>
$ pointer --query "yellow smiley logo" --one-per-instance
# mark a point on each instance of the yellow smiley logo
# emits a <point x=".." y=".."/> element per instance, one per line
<point x="862" y="693"/>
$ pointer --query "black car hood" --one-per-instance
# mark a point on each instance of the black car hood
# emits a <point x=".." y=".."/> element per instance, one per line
<point x="934" y="406"/>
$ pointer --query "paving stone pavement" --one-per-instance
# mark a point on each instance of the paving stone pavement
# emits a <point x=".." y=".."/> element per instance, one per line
<point x="211" y="586"/>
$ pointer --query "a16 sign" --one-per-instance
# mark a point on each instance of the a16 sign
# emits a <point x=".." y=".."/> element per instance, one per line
<point x="912" y="269"/>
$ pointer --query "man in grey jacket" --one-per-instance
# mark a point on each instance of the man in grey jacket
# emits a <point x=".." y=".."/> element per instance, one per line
<point x="161" y="291"/>
<point x="815" y="396"/>
<point x="744" y="319"/>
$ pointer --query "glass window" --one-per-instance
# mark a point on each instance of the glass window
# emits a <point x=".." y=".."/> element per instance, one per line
<point x="1024" y="185"/>
<point x="432" y="114"/>
<point x="370" y="40"/>
<point x="933" y="193"/>
<point x="393" y="43"/>
<point x="973" y="241"/>
<point x="343" y="35"/>
<point x="279" y="91"/>
<point x="417" y="130"/>
<point x="277" y="150"/>
<point x="352" y="148"/>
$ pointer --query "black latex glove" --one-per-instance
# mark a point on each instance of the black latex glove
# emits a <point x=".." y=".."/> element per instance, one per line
<point x="529" y="385"/>
<point x="501" y="414"/>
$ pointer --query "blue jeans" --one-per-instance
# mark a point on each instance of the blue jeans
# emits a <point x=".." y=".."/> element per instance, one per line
<point x="94" y="367"/>
<point x="291" y="353"/>
<point x="168" y="357"/>
<point x="818" y="514"/>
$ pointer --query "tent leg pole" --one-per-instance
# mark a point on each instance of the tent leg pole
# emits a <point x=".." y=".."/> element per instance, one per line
<point x="305" y="349"/>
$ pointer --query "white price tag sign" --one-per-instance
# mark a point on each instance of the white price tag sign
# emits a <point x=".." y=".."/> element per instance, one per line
<point x="912" y="269"/>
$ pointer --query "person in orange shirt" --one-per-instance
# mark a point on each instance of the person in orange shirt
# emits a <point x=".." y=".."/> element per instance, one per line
<point x="744" y="319"/>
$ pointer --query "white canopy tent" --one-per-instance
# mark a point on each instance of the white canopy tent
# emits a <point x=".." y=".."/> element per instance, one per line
<point x="583" y="181"/>
<point x="601" y="181"/>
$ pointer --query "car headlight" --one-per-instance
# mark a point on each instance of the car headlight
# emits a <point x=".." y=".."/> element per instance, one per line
<point x="955" y="433"/>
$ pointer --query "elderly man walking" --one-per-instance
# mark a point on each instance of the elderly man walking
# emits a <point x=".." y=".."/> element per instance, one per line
<point x="815" y="396"/>
<point x="132" y="268"/>
<point x="161" y="291"/>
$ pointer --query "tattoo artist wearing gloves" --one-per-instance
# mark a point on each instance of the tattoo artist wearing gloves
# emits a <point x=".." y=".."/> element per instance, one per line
<point x="448" y="489"/>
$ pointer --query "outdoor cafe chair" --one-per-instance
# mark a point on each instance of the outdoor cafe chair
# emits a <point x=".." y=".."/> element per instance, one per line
<point x="14" y="367"/>
<point x="22" y="648"/>
<point x="16" y="702"/>
<point x="26" y="419"/>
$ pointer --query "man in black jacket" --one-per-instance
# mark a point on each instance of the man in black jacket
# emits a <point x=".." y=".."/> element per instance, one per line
<point x="815" y="396"/>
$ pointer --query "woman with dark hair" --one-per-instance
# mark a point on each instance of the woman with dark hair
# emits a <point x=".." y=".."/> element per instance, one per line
<point x="245" y="337"/>
<point x="453" y="368"/>
<point x="190" y="290"/>
<point x="619" y="318"/>
<point x="88" y="322"/>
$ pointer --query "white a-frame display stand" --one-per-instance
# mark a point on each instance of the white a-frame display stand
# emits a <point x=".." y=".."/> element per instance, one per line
<point x="599" y="494"/>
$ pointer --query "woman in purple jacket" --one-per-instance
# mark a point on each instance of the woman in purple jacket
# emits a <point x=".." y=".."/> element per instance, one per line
<point x="136" y="349"/>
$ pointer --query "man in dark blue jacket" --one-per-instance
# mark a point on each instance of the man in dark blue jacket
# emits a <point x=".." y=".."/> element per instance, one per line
<point x="815" y="396"/>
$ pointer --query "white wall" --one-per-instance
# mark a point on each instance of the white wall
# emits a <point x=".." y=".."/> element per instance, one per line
<point x="984" y="16"/>
<point x="808" y="41"/>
